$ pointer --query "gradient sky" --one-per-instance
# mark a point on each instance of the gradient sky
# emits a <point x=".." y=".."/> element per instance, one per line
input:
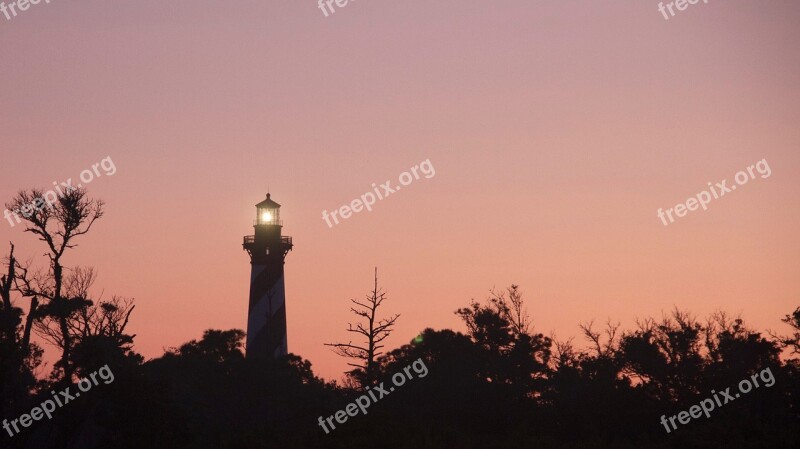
<point x="556" y="128"/>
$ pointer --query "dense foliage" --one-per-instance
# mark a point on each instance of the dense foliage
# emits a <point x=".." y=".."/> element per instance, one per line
<point x="495" y="386"/>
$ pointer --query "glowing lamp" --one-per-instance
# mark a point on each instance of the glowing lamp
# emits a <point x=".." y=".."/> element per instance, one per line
<point x="268" y="212"/>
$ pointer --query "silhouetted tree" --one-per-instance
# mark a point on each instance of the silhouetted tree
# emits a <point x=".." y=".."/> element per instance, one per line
<point x="513" y="308"/>
<point x="514" y="356"/>
<point x="18" y="357"/>
<point x="57" y="224"/>
<point x="665" y="355"/>
<point x="374" y="331"/>
<point x="792" y="341"/>
<point x="496" y="387"/>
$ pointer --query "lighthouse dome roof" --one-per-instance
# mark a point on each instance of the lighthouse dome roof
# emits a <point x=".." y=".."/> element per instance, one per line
<point x="268" y="204"/>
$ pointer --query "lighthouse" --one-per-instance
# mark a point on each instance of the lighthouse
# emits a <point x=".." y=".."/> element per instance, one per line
<point x="266" y="317"/>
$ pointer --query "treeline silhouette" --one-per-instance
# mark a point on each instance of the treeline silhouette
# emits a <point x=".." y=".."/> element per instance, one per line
<point x="493" y="387"/>
<point x="498" y="384"/>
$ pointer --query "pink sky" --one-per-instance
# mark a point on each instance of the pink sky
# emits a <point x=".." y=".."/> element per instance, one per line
<point x="556" y="129"/>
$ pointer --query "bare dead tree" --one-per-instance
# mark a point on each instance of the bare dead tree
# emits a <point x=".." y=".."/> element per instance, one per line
<point x="57" y="224"/>
<point x="601" y="349"/>
<point x="513" y="309"/>
<point x="29" y="284"/>
<point x="19" y="358"/>
<point x="78" y="283"/>
<point x="374" y="331"/>
<point x="565" y="353"/>
<point x="12" y="316"/>
<point x="88" y="318"/>
<point x="9" y="325"/>
<point x="103" y="319"/>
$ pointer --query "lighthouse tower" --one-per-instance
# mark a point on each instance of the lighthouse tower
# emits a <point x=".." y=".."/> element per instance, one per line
<point x="266" y="320"/>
